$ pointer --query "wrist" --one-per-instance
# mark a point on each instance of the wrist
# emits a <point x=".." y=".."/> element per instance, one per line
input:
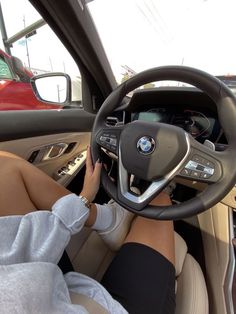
<point x="92" y="216"/>
<point x="87" y="193"/>
<point x="85" y="199"/>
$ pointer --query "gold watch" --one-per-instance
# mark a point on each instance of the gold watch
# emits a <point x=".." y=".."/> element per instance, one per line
<point x="85" y="201"/>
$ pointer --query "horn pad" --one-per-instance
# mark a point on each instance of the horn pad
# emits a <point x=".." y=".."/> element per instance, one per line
<point x="150" y="150"/>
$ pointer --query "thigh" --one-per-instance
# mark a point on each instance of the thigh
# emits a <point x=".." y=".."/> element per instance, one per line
<point x="142" y="280"/>
<point x="13" y="193"/>
<point x="25" y="188"/>
<point x="157" y="234"/>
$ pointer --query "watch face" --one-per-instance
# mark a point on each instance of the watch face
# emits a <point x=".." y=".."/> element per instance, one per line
<point x="85" y="201"/>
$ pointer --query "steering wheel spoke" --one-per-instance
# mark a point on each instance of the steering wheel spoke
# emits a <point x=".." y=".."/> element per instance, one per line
<point x="130" y="199"/>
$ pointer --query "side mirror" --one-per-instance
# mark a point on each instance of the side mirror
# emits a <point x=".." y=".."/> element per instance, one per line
<point x="54" y="88"/>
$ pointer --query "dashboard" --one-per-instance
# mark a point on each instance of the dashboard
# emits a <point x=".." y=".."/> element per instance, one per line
<point x="187" y="108"/>
<point x="197" y="123"/>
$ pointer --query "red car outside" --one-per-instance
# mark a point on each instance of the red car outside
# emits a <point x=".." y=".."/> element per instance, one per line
<point x="15" y="89"/>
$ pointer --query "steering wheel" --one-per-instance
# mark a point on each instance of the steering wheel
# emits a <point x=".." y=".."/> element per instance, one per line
<point x="157" y="152"/>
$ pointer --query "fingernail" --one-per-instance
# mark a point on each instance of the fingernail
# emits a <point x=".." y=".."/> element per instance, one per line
<point x="98" y="160"/>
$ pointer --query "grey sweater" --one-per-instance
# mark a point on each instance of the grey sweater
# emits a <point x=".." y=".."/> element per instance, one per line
<point x="30" y="248"/>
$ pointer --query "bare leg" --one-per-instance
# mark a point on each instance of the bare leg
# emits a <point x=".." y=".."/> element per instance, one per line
<point x="156" y="234"/>
<point x="24" y="188"/>
<point x="137" y="277"/>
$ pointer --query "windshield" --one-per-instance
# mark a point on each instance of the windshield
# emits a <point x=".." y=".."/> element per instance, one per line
<point x="141" y="34"/>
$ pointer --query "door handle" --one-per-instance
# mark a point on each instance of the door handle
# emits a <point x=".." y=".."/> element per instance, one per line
<point x="54" y="151"/>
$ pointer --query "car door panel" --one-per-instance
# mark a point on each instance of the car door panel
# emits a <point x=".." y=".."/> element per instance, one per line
<point x="26" y="133"/>
<point x="23" y="124"/>
<point x="63" y="168"/>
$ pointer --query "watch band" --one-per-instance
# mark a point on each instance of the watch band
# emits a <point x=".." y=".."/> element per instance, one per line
<point x="85" y="201"/>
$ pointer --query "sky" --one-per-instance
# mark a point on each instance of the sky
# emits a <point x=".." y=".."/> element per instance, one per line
<point x="140" y="34"/>
<point x="46" y="52"/>
<point x="144" y="34"/>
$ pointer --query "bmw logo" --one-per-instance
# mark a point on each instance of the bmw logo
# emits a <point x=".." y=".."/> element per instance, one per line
<point x="146" y="145"/>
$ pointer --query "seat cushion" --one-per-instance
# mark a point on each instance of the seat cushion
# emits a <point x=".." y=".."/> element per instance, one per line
<point x="191" y="296"/>
<point x="180" y="253"/>
<point x="191" y="293"/>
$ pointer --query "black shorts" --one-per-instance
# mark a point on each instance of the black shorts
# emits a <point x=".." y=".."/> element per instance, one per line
<point x="142" y="280"/>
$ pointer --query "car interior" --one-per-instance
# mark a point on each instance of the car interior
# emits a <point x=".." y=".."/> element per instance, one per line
<point x="197" y="120"/>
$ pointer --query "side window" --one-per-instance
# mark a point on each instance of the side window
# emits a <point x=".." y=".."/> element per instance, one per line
<point x="37" y="52"/>
<point x="5" y="72"/>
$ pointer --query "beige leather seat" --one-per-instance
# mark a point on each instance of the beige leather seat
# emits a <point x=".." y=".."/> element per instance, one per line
<point x="191" y="292"/>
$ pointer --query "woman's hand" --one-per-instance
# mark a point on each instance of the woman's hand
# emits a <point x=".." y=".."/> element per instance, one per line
<point x="91" y="178"/>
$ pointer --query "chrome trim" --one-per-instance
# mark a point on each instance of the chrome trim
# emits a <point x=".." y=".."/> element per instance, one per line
<point x="192" y="165"/>
<point x="140" y="147"/>
<point x="209" y="144"/>
<point x="155" y="186"/>
<point x="48" y="149"/>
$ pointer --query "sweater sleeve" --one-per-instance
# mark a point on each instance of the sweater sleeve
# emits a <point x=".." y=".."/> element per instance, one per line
<point x="41" y="236"/>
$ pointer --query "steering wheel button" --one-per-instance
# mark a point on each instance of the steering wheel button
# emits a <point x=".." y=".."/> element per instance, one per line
<point x="205" y="175"/>
<point x="113" y="148"/>
<point x="200" y="167"/>
<point x="209" y="170"/>
<point x="186" y="172"/>
<point x="195" y="174"/>
<point x="113" y="141"/>
<point x="192" y="165"/>
<point x="210" y="164"/>
<point x="197" y="158"/>
<point x="102" y="138"/>
<point x="106" y="135"/>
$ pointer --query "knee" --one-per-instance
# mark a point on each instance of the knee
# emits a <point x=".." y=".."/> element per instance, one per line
<point x="8" y="155"/>
<point x="9" y="161"/>
<point x="161" y="199"/>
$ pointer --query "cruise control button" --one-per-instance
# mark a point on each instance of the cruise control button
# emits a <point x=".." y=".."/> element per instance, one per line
<point x="195" y="174"/>
<point x="113" y="141"/>
<point x="113" y="148"/>
<point x="209" y="170"/>
<point x="200" y="167"/>
<point x="210" y="164"/>
<point x="205" y="175"/>
<point x="102" y="138"/>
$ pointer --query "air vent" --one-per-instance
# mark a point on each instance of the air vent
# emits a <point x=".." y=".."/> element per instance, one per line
<point x="112" y="121"/>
